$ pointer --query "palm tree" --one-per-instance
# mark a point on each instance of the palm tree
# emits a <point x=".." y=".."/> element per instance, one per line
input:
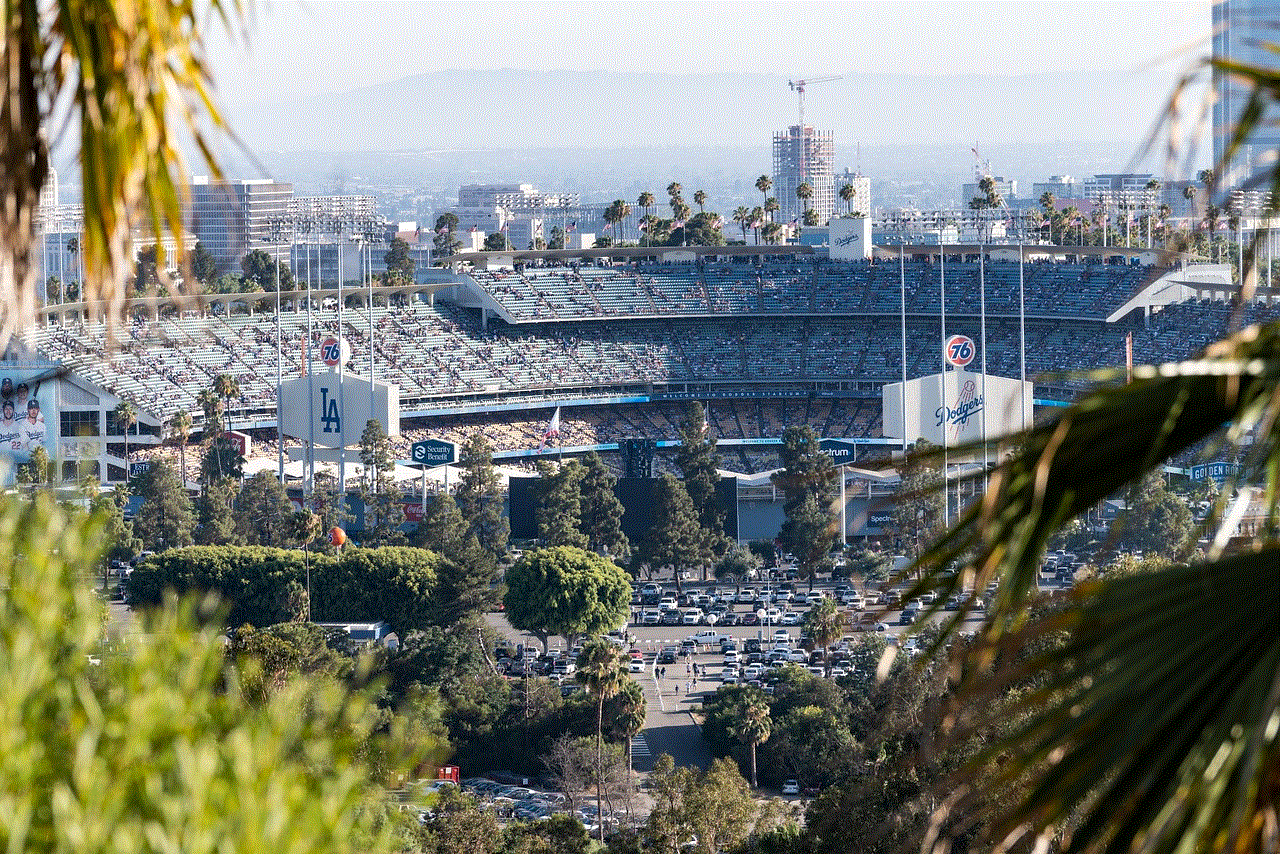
<point x="126" y="413"/>
<point x="826" y="624"/>
<point x="624" y="212"/>
<point x="306" y="527"/>
<point x="754" y="729"/>
<point x="742" y="217"/>
<point x="101" y="80"/>
<point x="180" y="428"/>
<point x="846" y="196"/>
<point x="226" y="387"/>
<point x="700" y="199"/>
<point x="601" y="668"/>
<point x="73" y="249"/>
<point x="764" y="183"/>
<point x="1152" y="725"/>
<point x="757" y="220"/>
<point x="674" y="189"/>
<point x="630" y="717"/>
<point x="771" y="207"/>
<point x="211" y="406"/>
<point x="646" y="201"/>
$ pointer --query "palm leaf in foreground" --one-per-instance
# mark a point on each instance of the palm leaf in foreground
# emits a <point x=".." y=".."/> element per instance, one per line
<point x="1153" y="726"/>
<point x="1156" y="725"/>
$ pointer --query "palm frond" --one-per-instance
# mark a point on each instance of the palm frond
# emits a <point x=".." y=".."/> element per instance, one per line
<point x="1158" y="726"/>
<point x="1111" y="438"/>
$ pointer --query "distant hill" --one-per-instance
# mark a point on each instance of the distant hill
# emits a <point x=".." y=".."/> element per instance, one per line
<point x="512" y="109"/>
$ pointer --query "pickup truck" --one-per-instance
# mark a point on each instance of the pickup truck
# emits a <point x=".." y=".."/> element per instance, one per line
<point x="709" y="636"/>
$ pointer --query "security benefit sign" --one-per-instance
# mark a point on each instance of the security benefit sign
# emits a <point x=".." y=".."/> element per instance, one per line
<point x="956" y="407"/>
<point x="333" y="411"/>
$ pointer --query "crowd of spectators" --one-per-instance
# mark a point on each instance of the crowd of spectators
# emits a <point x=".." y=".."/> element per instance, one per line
<point x="812" y="286"/>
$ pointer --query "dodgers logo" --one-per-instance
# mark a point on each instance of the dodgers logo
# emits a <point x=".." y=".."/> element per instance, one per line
<point x="968" y="404"/>
<point x="329" y="413"/>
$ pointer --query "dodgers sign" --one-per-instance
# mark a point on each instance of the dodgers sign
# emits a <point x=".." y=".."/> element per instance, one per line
<point x="959" y="350"/>
<point x="433" y="452"/>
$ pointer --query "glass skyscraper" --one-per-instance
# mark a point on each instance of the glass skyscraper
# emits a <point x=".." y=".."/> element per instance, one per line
<point x="1242" y="30"/>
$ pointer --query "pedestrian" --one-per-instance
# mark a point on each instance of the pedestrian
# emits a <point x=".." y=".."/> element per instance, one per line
<point x="688" y="688"/>
<point x="677" y="689"/>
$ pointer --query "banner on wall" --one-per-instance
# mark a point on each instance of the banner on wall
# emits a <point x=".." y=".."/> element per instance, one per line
<point x="28" y="414"/>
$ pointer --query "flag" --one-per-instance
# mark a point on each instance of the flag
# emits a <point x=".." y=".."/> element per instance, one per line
<point x="678" y="224"/>
<point x="608" y="226"/>
<point x="473" y="229"/>
<point x="444" y="229"/>
<point x="504" y="227"/>
<point x="644" y="225"/>
<point x="553" y="430"/>
<point x="572" y="225"/>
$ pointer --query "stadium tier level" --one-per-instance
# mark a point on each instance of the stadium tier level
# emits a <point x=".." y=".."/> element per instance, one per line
<point x="621" y="341"/>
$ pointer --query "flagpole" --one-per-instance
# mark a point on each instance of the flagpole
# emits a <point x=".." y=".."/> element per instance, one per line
<point x="902" y="293"/>
<point x="342" y="398"/>
<point x="1022" y="334"/>
<point x="311" y="391"/>
<point x="982" y="302"/>
<point x="942" y="378"/>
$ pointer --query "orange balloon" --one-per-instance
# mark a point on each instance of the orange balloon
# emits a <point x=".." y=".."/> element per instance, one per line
<point x="337" y="536"/>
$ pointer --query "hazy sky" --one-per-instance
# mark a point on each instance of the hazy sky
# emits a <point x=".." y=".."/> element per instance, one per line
<point x="298" y="48"/>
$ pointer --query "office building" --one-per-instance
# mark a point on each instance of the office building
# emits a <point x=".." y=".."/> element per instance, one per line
<point x="233" y="217"/>
<point x="1242" y="30"/>
<point x="804" y="155"/>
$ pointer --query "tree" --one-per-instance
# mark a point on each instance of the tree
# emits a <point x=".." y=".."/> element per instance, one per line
<point x="259" y="271"/>
<point x="211" y="407"/>
<point x="807" y="481"/>
<point x="401" y="265"/>
<point x="1175" y="677"/>
<point x="646" y="201"/>
<point x="737" y="564"/>
<point x="129" y="113"/>
<point x="846" y="196"/>
<point x="742" y="216"/>
<point x="446" y="244"/>
<point x="479" y="496"/>
<point x="263" y="512"/>
<point x="222" y="459"/>
<point x="306" y="527"/>
<point x="204" y="269"/>
<point x="226" y="387"/>
<point x="383" y="512"/>
<point x="559" y="509"/>
<point x="118" y="541"/>
<point x="179" y="425"/>
<point x="140" y="714"/>
<point x="699" y="464"/>
<point x="126" y="415"/>
<point x="601" y="511"/>
<point x="602" y="669"/>
<point x="465" y="576"/>
<point x="920" y="504"/>
<point x="826" y="623"/>
<point x="675" y="538"/>
<point x="700" y="199"/>
<point x="216" y="522"/>
<point x="753" y="729"/>
<point x="764" y="184"/>
<point x="495" y="241"/>
<point x="165" y="519"/>
<point x="1155" y="522"/>
<point x="771" y="207"/>
<point x="566" y="591"/>
<point x="804" y="192"/>
<point x="630" y="717"/>
<point x="38" y="471"/>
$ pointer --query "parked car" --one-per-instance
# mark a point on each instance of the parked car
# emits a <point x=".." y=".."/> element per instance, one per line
<point x="671" y="618"/>
<point x="791" y="787"/>
<point x="637" y="665"/>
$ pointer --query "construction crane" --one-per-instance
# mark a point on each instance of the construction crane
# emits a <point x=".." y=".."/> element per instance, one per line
<point x="798" y="86"/>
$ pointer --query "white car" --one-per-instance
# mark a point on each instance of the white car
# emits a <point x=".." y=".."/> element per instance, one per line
<point x="691" y="617"/>
<point x="772" y="616"/>
<point x="791" y="618"/>
<point x="791" y="787"/>
<point x="731" y="657"/>
<point x="746" y="596"/>
<point x="752" y="671"/>
<point x="637" y="665"/>
<point x="782" y="636"/>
